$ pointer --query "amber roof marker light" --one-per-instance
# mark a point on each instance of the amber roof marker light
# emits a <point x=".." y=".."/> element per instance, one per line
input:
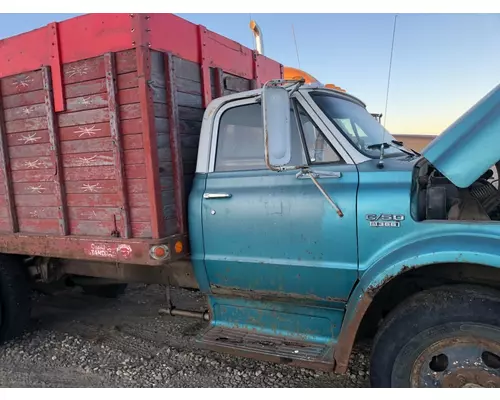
<point x="289" y="73"/>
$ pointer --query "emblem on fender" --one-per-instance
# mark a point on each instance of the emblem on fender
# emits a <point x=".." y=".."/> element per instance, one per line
<point x="385" y="220"/>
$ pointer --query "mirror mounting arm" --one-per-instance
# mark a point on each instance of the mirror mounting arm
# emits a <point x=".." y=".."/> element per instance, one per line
<point x="312" y="175"/>
<point x="281" y="168"/>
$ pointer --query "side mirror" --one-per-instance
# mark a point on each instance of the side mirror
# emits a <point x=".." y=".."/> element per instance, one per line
<point x="277" y="130"/>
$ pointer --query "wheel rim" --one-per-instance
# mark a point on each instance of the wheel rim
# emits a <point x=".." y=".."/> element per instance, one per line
<point x="460" y="362"/>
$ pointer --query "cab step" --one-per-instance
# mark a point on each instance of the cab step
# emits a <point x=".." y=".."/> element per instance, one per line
<point x="250" y="344"/>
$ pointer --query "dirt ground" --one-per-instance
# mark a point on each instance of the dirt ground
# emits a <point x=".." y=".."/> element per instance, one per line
<point x="77" y="340"/>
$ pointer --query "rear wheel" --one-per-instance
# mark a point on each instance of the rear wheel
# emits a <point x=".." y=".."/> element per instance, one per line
<point x="14" y="298"/>
<point x="443" y="337"/>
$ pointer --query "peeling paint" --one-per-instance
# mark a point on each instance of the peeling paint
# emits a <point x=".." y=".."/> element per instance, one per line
<point x="109" y="250"/>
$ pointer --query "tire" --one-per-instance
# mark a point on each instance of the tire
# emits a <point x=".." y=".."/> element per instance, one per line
<point x="428" y="337"/>
<point x="15" y="301"/>
<point x="109" y="291"/>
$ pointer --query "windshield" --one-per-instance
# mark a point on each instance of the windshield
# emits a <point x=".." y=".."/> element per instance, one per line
<point x="357" y="124"/>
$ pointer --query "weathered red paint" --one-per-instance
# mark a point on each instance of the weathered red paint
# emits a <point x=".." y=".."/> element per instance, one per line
<point x="149" y="141"/>
<point x="27" y="125"/>
<point x="55" y="153"/>
<point x="117" y="155"/>
<point x="145" y="111"/>
<point x="84" y="70"/>
<point x="5" y="165"/>
<point x="55" y="66"/>
<point x="219" y="82"/>
<point x="256" y="66"/>
<point x="87" y="88"/>
<point x="21" y="82"/>
<point x="80" y="123"/>
<point x="23" y="99"/>
<point x="80" y="246"/>
<point x="89" y="102"/>
<point x="175" y="143"/>
<point x="204" y="63"/>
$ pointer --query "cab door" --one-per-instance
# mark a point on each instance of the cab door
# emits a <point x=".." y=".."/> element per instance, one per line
<point x="272" y="232"/>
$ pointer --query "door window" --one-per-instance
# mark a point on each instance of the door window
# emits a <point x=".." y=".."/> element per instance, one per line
<point x="240" y="141"/>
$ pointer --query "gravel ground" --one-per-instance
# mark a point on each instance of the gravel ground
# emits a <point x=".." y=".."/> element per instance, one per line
<point x="78" y="340"/>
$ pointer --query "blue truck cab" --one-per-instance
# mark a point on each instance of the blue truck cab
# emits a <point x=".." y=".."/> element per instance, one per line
<point x="311" y="227"/>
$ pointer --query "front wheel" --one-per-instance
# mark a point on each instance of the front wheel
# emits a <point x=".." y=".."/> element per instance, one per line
<point x="442" y="337"/>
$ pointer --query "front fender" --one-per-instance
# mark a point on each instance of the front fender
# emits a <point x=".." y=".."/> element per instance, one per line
<point x="458" y="248"/>
<point x="461" y="248"/>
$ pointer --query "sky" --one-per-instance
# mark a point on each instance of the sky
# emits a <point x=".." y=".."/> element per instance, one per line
<point x="442" y="63"/>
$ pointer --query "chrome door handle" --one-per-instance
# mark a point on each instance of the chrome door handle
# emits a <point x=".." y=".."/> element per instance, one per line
<point x="216" y="195"/>
<point x="318" y="175"/>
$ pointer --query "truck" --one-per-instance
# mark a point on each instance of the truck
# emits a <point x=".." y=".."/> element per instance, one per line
<point x="144" y="148"/>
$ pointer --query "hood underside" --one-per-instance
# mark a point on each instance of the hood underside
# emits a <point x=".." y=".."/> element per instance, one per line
<point x="471" y="145"/>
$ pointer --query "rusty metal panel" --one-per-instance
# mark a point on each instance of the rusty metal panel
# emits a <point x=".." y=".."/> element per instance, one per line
<point x="55" y="156"/>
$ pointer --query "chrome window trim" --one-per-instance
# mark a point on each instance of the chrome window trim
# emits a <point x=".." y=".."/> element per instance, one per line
<point x="354" y="154"/>
<point x="215" y="127"/>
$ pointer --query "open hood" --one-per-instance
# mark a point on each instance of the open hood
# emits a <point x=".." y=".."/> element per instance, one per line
<point x="471" y="145"/>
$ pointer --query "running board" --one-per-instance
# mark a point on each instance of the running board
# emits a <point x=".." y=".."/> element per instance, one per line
<point x="263" y="347"/>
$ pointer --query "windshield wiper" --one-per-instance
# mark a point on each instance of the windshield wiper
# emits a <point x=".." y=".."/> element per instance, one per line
<point x="378" y="146"/>
<point x="401" y="144"/>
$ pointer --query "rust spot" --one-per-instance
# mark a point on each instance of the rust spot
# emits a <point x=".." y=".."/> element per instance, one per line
<point x="348" y="335"/>
<point x="373" y="289"/>
<point x="264" y="295"/>
<point x="350" y="329"/>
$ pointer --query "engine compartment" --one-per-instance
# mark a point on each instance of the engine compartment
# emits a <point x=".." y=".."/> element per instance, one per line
<point x="437" y="198"/>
